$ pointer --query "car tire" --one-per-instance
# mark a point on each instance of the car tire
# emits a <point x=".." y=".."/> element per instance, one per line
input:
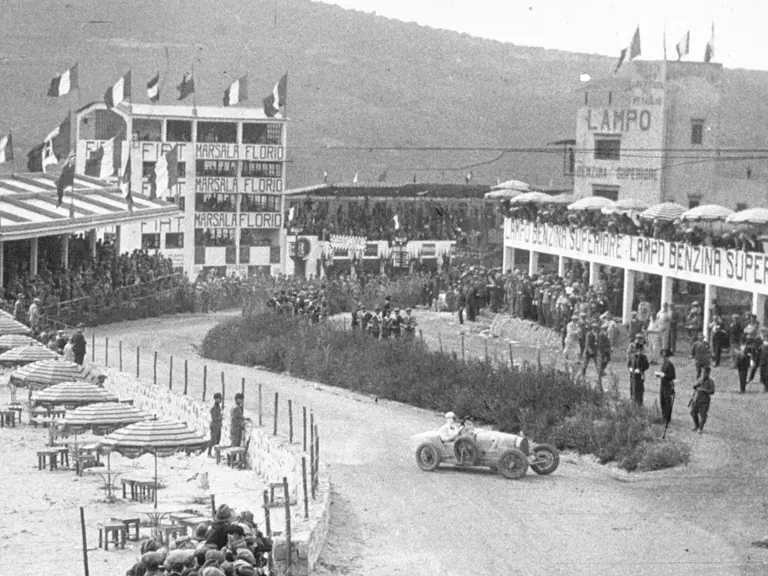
<point x="466" y="451"/>
<point x="550" y="457"/>
<point x="427" y="457"/>
<point x="513" y="464"/>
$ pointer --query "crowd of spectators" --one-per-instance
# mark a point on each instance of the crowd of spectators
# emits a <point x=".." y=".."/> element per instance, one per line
<point x="673" y="231"/>
<point x="229" y="544"/>
<point x="376" y="221"/>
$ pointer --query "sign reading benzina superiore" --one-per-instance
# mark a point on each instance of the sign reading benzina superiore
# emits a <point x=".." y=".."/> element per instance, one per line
<point x="729" y="268"/>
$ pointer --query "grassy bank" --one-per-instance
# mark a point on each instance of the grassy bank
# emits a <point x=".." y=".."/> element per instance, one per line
<point x="547" y="403"/>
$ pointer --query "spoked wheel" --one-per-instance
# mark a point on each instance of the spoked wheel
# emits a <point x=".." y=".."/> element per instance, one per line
<point x="547" y="459"/>
<point x="427" y="457"/>
<point x="513" y="464"/>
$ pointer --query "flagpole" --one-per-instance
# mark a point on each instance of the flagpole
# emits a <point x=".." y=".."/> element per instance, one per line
<point x="162" y="80"/>
<point x="194" y="92"/>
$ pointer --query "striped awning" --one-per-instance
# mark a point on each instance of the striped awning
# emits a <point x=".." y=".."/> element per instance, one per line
<point x="104" y="414"/>
<point x="80" y="393"/>
<point x="9" y="341"/>
<point x="28" y="206"/>
<point x="159" y="437"/>
<point x="46" y="373"/>
<point x="8" y="325"/>
<point x="27" y="354"/>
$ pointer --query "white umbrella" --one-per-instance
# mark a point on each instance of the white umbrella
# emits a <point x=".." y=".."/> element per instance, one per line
<point x="518" y="185"/>
<point x="530" y="198"/>
<point x="627" y="206"/>
<point x="753" y="216"/>
<point x="706" y="213"/>
<point x="502" y="193"/>
<point x="591" y="203"/>
<point x="668" y="211"/>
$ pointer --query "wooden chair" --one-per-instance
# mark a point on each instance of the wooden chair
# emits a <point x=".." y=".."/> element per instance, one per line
<point x="128" y="522"/>
<point x="117" y="530"/>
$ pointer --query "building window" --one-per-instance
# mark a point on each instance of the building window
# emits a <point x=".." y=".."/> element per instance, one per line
<point x="741" y="206"/>
<point x="224" y="168"/>
<point x="697" y="131"/>
<point x="607" y="148"/>
<point x="214" y="202"/>
<point x="147" y="130"/>
<point x="215" y="236"/>
<point x="262" y="170"/>
<point x="147" y="169"/>
<point x="259" y="203"/>
<point x="253" y="237"/>
<point x="181" y="169"/>
<point x="179" y="200"/>
<point x="174" y="240"/>
<point x="102" y="125"/>
<point x="693" y="203"/>
<point x="262" y="133"/>
<point x="610" y="192"/>
<point x="217" y="132"/>
<point x="150" y="241"/>
<point x="178" y="131"/>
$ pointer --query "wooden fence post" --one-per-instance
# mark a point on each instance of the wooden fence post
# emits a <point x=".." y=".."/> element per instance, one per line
<point x="85" y="541"/>
<point x="511" y="358"/>
<point x="205" y="380"/>
<point x="440" y="339"/>
<point x="304" y="482"/>
<point x="93" y="347"/>
<point x="421" y="334"/>
<point x="317" y="455"/>
<point x="170" y="374"/>
<point x="242" y="387"/>
<point x="261" y="412"/>
<point x="287" y="496"/>
<point x="290" y="421"/>
<point x="304" y="425"/>
<point x="120" y="354"/>
<point x="486" y="351"/>
<point x="186" y="375"/>
<point x="223" y="386"/>
<point x="138" y="360"/>
<point x="463" y="357"/>
<point x="154" y="369"/>
<point x="274" y="428"/>
<point x="268" y="526"/>
<point x="213" y="504"/>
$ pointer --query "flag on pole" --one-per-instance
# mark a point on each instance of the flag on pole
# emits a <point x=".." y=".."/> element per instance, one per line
<point x="633" y="50"/>
<point x="684" y="46"/>
<point x="153" y="89"/>
<point x="354" y="180"/>
<point x="100" y="162"/>
<point x="166" y="173"/>
<point x="66" y="178"/>
<point x="56" y="145"/>
<point x="277" y="99"/>
<point x="709" y="51"/>
<point x="187" y="86"/>
<point x="397" y="222"/>
<point x="325" y="175"/>
<point x="64" y="83"/>
<point x="120" y="91"/>
<point x="383" y="176"/>
<point x="125" y="184"/>
<point x="291" y="213"/>
<point x="237" y="92"/>
<point x="6" y="149"/>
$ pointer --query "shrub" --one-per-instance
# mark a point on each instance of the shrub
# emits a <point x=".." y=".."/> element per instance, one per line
<point x="548" y="404"/>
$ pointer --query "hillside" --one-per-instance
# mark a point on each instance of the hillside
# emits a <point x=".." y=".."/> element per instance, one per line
<point x="355" y="80"/>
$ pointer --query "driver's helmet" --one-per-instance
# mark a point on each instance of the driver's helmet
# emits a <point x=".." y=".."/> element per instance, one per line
<point x="450" y="416"/>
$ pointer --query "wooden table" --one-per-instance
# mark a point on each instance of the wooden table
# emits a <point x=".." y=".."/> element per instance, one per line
<point x="7" y="417"/>
<point x="108" y="478"/>
<point x="156" y="515"/>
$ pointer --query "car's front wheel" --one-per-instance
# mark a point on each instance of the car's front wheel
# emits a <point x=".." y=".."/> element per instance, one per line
<point x="427" y="457"/>
<point x="513" y="464"/>
<point x="547" y="459"/>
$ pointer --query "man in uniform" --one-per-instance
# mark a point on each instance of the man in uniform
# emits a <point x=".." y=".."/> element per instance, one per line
<point x="637" y="365"/>
<point x="216" y="422"/>
<point x="237" y="422"/>
<point x="79" y="344"/>
<point x="667" y="378"/>
<point x="703" y="391"/>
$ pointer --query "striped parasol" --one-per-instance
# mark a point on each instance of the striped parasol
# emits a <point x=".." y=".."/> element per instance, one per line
<point x="706" y="213"/>
<point x="73" y="393"/>
<point x="564" y="199"/>
<point x="518" y="185"/>
<point x="27" y="354"/>
<point x="157" y="437"/>
<point x="114" y="414"/>
<point x="668" y="211"/>
<point x="502" y="193"/>
<point x="15" y="340"/>
<point x="627" y="206"/>
<point x="9" y="325"/>
<point x="591" y="203"/>
<point x="45" y="373"/>
<point x="753" y="216"/>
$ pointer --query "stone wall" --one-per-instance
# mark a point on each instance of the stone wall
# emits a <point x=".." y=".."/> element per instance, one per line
<point x="272" y="458"/>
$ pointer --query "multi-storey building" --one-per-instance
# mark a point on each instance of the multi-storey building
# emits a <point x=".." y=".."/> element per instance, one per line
<point x="231" y="178"/>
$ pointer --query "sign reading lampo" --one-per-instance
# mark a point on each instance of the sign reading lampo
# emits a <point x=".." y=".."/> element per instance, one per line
<point x="728" y="268"/>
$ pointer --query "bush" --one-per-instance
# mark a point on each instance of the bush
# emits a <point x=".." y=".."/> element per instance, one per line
<point x="546" y="403"/>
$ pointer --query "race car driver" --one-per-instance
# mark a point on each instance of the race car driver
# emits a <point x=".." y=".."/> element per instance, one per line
<point x="450" y="430"/>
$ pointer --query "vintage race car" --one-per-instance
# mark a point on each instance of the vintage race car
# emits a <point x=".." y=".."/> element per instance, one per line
<point x="511" y="454"/>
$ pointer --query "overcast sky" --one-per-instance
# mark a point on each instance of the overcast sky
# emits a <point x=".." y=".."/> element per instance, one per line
<point x="597" y="26"/>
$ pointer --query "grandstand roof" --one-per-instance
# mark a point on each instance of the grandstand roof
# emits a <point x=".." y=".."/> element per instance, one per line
<point x="28" y="206"/>
<point x="386" y="189"/>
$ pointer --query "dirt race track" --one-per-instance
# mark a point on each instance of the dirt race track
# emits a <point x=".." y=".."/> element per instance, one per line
<point x="390" y="518"/>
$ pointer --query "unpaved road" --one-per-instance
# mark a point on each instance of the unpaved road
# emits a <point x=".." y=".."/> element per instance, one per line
<point x="390" y="518"/>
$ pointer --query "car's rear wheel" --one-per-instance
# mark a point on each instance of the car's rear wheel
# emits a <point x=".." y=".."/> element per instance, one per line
<point x="466" y="451"/>
<point x="427" y="457"/>
<point x="547" y="459"/>
<point x="513" y="464"/>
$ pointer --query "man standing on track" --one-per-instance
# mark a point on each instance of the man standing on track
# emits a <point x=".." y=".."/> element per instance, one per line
<point x="79" y="344"/>
<point x="703" y="391"/>
<point x="216" y="422"/>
